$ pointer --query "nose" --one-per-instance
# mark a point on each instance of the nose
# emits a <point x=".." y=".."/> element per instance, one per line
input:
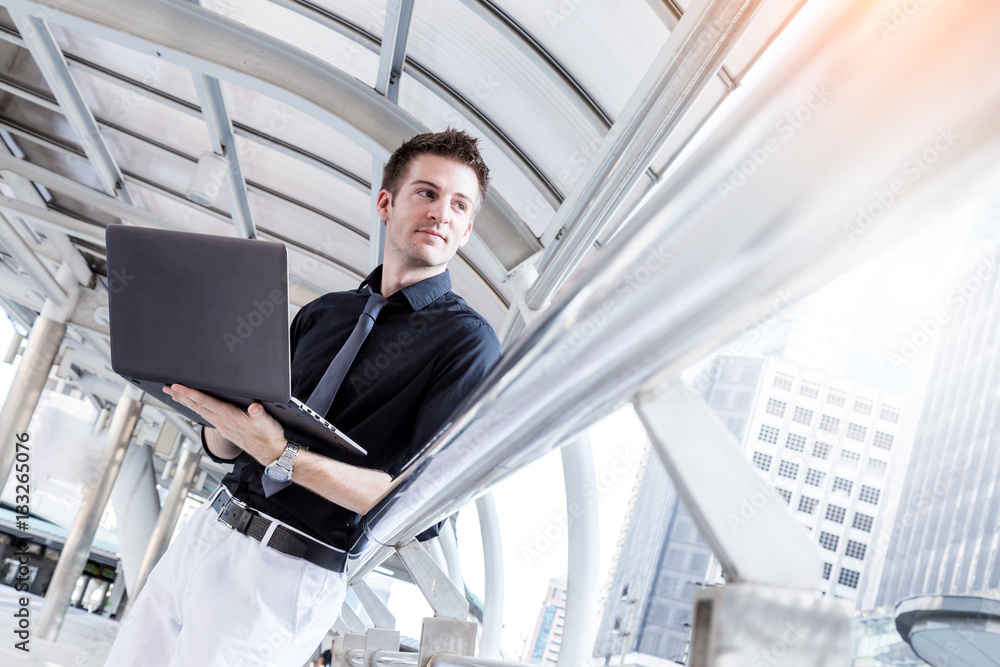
<point x="439" y="210"/>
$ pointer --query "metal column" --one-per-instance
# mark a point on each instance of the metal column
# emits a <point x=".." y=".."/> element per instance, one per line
<point x="81" y="535"/>
<point x="43" y="345"/>
<point x="187" y="466"/>
<point x="489" y="527"/>
<point x="583" y="532"/>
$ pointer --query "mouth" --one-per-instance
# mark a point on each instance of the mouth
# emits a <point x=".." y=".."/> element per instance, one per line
<point x="430" y="233"/>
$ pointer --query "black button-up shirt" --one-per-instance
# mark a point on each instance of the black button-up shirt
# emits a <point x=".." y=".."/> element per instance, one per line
<point x="426" y="353"/>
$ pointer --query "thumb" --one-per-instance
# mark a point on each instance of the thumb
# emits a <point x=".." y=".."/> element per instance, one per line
<point x="256" y="410"/>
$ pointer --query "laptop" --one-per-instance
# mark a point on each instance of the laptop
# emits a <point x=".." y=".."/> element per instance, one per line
<point x="211" y="313"/>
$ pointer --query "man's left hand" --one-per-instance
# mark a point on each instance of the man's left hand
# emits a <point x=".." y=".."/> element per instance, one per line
<point x="254" y="431"/>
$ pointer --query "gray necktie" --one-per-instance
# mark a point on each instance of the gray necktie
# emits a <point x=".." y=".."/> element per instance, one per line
<point x="322" y="397"/>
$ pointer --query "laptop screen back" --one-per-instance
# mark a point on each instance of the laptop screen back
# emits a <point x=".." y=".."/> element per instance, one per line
<point x="204" y="311"/>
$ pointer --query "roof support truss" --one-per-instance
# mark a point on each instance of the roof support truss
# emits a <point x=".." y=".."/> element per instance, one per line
<point x="39" y="40"/>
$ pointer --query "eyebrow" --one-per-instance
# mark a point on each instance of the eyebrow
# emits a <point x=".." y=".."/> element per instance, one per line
<point x="437" y="187"/>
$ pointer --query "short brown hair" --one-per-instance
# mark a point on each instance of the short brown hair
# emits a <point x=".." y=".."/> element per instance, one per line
<point x="453" y="144"/>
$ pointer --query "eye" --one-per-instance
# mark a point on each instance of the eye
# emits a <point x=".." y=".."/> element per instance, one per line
<point x="425" y="192"/>
<point x="461" y="206"/>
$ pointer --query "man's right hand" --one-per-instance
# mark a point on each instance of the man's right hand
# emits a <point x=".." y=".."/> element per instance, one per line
<point x="252" y="431"/>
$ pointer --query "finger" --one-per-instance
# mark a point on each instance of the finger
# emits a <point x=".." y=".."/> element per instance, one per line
<point x="204" y="400"/>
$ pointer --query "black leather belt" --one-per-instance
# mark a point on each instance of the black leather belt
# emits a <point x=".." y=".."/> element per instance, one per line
<point x="247" y="521"/>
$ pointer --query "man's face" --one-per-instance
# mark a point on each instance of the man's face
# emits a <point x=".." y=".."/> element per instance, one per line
<point x="430" y="217"/>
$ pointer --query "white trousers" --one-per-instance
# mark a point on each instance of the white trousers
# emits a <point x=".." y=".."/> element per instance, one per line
<point x="221" y="599"/>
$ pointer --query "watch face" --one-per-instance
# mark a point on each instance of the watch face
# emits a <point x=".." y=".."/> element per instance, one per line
<point x="277" y="473"/>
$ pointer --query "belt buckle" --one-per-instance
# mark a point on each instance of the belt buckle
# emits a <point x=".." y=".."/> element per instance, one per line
<point x="233" y="501"/>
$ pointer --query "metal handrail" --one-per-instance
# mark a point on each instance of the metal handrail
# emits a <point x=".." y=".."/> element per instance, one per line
<point x="696" y="265"/>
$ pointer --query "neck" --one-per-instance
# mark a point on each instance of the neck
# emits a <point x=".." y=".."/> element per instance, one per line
<point x="395" y="277"/>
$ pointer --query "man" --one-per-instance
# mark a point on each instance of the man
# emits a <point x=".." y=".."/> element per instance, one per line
<point x="219" y="596"/>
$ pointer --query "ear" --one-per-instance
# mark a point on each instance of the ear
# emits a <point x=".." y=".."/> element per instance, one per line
<point x="466" y="235"/>
<point x="383" y="205"/>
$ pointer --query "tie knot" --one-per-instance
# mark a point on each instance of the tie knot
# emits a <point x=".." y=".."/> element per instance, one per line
<point x="374" y="305"/>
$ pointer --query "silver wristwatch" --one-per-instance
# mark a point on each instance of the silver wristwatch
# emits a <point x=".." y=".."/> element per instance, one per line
<point x="281" y="470"/>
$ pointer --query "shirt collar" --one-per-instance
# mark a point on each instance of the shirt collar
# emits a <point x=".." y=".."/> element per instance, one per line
<point x="418" y="294"/>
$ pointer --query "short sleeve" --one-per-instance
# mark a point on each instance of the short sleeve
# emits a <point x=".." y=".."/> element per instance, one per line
<point x="457" y="373"/>
<point x="204" y="446"/>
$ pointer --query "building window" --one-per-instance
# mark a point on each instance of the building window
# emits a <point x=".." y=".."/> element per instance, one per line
<point x="814" y="477"/>
<point x="828" y="423"/>
<point x="768" y="434"/>
<point x="856" y="432"/>
<point x="877" y="466"/>
<point x="828" y="541"/>
<point x="848" y="577"/>
<point x="802" y="416"/>
<point x="862" y="406"/>
<point x="762" y="461"/>
<point x="863" y="522"/>
<point x="807" y="504"/>
<point x="796" y="443"/>
<point x="869" y="494"/>
<point x="775" y="407"/>
<point x="850" y="458"/>
<point x="883" y="440"/>
<point x="835" y="398"/>
<point x="785" y="494"/>
<point x="788" y="469"/>
<point x="821" y="450"/>
<point x="841" y="484"/>
<point x="890" y="415"/>
<point x="855" y="550"/>
<point x="827" y="569"/>
<point x="835" y="513"/>
<point x="809" y="389"/>
<point x="782" y="381"/>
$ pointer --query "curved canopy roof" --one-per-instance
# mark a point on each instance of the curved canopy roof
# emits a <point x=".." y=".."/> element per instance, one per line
<point x="106" y="107"/>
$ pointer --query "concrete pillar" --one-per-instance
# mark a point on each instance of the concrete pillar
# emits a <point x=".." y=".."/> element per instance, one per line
<point x="187" y="466"/>
<point x="81" y="535"/>
<point x="43" y="345"/>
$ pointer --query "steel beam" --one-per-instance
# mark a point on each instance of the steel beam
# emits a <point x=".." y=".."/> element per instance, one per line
<point x="25" y="93"/>
<point x="487" y="127"/>
<point x="442" y="595"/>
<point x="717" y="486"/>
<point x="39" y="40"/>
<point x="392" y="53"/>
<point x="695" y="266"/>
<point x="244" y="131"/>
<point x="685" y="66"/>
<point x="532" y="50"/>
<point x="81" y="535"/>
<point x="220" y="132"/>
<point x="212" y="45"/>
<point x="26" y="257"/>
<point x="377" y="611"/>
